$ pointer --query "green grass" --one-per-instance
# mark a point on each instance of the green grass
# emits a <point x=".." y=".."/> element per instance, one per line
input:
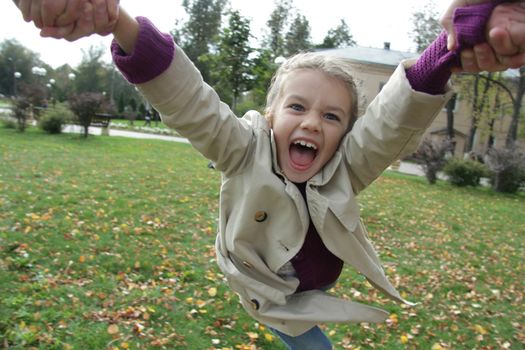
<point x="107" y="243"/>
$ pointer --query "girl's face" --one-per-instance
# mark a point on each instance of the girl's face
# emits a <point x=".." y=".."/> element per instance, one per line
<point x="309" y="120"/>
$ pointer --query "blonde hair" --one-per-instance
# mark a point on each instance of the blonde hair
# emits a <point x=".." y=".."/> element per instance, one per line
<point x="333" y="66"/>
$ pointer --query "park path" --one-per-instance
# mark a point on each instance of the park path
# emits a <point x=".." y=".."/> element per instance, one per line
<point x="404" y="167"/>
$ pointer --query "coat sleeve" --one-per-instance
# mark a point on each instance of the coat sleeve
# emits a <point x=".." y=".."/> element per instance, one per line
<point x="391" y="128"/>
<point x="190" y="106"/>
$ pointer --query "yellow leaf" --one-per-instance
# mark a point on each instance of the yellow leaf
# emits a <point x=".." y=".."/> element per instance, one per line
<point x="403" y="339"/>
<point x="113" y="329"/>
<point x="252" y="335"/>
<point x="212" y="292"/>
<point x="437" y="346"/>
<point x="479" y="329"/>
<point x="81" y="259"/>
<point x="269" y="337"/>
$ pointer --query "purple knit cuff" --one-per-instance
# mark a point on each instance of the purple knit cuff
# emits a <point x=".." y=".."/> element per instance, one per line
<point x="152" y="55"/>
<point x="470" y="23"/>
<point x="433" y="68"/>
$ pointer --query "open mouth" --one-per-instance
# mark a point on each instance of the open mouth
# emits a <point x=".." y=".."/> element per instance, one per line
<point x="302" y="154"/>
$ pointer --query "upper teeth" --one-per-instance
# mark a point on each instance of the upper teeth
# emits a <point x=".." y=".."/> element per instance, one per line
<point x="305" y="144"/>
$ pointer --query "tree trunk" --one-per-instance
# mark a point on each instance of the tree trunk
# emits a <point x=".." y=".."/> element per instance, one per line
<point x="490" y="141"/>
<point x="451" y="104"/>
<point x="512" y="134"/>
<point x="472" y="131"/>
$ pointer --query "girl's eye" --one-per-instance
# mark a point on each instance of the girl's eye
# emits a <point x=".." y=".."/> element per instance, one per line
<point x="296" y="107"/>
<point x="331" y="116"/>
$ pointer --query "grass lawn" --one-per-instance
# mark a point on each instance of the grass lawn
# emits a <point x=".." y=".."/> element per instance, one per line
<point x="107" y="243"/>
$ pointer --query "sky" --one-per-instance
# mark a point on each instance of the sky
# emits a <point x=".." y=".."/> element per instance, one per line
<point x="371" y="23"/>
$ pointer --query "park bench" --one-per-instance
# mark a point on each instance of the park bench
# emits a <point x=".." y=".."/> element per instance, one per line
<point x="102" y="119"/>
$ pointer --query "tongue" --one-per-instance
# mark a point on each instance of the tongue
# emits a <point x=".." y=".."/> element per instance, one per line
<point x="301" y="156"/>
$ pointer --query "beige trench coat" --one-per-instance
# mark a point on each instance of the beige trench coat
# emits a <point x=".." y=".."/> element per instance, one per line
<point x="263" y="217"/>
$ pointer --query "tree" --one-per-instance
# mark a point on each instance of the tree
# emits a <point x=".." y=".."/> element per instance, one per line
<point x="64" y="82"/>
<point x="338" y="37"/>
<point x="29" y="97"/>
<point x="432" y="155"/>
<point x="516" y="83"/>
<point x="85" y="105"/>
<point x="91" y="73"/>
<point x="426" y="26"/>
<point x="232" y="67"/>
<point x="298" y="37"/>
<point x="263" y="71"/>
<point x="14" y="57"/>
<point x="517" y="102"/>
<point x="508" y="168"/>
<point x="199" y="33"/>
<point x="277" y="23"/>
<point x="479" y="101"/>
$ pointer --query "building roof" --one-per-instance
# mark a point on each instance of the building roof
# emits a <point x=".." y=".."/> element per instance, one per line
<point x="370" y="55"/>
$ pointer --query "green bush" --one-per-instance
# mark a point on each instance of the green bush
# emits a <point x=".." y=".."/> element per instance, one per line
<point x="464" y="172"/>
<point x="54" y="118"/>
<point x="8" y="123"/>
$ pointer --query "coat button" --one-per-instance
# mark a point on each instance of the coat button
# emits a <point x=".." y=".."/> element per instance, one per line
<point x="255" y="304"/>
<point x="260" y="216"/>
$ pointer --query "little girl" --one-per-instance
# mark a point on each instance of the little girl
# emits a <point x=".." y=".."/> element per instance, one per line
<point x="289" y="218"/>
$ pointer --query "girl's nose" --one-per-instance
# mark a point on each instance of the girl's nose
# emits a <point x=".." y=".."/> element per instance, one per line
<point x="311" y="122"/>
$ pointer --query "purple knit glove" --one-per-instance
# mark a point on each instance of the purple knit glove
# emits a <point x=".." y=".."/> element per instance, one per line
<point x="433" y="68"/>
<point x="151" y="56"/>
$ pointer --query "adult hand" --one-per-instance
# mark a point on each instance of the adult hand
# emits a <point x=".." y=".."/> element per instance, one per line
<point x="45" y="13"/>
<point x="506" y="33"/>
<point x="505" y="46"/>
<point x="448" y="17"/>
<point x="96" y="17"/>
<point x="71" y="19"/>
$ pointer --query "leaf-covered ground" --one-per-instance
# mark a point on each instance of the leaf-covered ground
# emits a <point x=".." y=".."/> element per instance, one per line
<point x="107" y="243"/>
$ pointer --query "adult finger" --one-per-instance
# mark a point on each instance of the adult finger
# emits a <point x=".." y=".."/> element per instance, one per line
<point x="113" y="15"/>
<point x="51" y="9"/>
<point x="57" y="32"/>
<point x="25" y="8"/>
<point x="515" y="61"/>
<point x="73" y="11"/>
<point x="100" y="15"/>
<point x="446" y="23"/>
<point x="113" y="9"/>
<point x="486" y="58"/>
<point x="84" y="26"/>
<point x="501" y="41"/>
<point x="36" y="13"/>
<point x="469" y="63"/>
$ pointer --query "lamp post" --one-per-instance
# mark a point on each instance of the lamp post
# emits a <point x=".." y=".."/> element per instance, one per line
<point x="279" y="60"/>
<point x="39" y="71"/>
<point x="50" y="85"/>
<point x="16" y="76"/>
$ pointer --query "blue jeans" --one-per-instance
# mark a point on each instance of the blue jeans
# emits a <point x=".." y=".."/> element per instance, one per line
<point x="314" y="339"/>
